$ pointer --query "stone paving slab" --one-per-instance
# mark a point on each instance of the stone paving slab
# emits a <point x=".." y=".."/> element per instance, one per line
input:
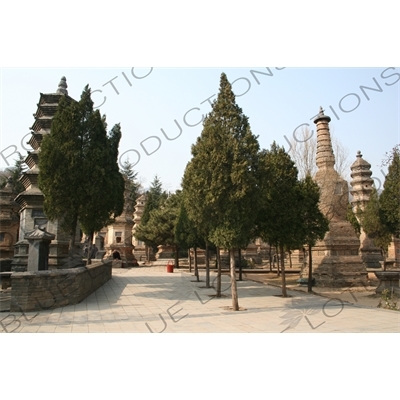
<point x="148" y="299"/>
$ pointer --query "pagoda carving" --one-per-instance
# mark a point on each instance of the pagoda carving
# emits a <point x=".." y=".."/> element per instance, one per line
<point x="32" y="215"/>
<point x="336" y="258"/>
<point x="141" y="250"/>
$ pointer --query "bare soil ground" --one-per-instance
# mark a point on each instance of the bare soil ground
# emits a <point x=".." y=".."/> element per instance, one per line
<point x="362" y="296"/>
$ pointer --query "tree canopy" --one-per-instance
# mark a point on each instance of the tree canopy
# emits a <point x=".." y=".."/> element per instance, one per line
<point x="220" y="181"/>
<point x="79" y="174"/>
<point x="390" y="197"/>
<point x="15" y="172"/>
<point x="278" y="222"/>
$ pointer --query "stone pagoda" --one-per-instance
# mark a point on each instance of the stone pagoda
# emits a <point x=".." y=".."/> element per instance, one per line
<point x="362" y="187"/>
<point x="119" y="233"/>
<point x="140" y="247"/>
<point x="31" y="200"/>
<point x="9" y="221"/>
<point x="336" y="259"/>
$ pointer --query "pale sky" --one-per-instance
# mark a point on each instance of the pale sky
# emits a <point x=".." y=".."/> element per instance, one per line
<point x="160" y="109"/>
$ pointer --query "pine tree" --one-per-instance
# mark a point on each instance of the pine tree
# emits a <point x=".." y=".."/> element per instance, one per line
<point x="373" y="224"/>
<point x="155" y="197"/>
<point x="79" y="174"/>
<point x="160" y="227"/>
<point x="279" y="223"/>
<point x="188" y="236"/>
<point x="104" y="184"/>
<point x="15" y="173"/>
<point x="390" y="197"/>
<point x="220" y="181"/>
<point x="132" y="186"/>
<point x="314" y="223"/>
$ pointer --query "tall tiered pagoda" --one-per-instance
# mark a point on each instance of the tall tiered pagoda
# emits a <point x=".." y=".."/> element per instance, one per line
<point x="336" y="258"/>
<point x="31" y="200"/>
<point x="362" y="186"/>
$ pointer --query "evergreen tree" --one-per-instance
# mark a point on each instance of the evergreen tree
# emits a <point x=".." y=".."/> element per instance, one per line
<point x="60" y="162"/>
<point x="132" y="186"/>
<point x="79" y="175"/>
<point x="220" y="181"/>
<point x="155" y="198"/>
<point x="15" y="173"/>
<point x="160" y="227"/>
<point x="390" y="197"/>
<point x="279" y="223"/>
<point x="351" y="216"/>
<point x="314" y="223"/>
<point x="188" y="236"/>
<point x="373" y="224"/>
<point x="105" y="185"/>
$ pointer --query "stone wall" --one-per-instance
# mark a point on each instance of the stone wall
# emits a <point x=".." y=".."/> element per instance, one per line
<point x="42" y="290"/>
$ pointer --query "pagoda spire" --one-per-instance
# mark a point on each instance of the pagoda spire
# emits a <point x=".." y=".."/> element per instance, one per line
<point x="62" y="86"/>
<point x="336" y="258"/>
<point x="325" y="157"/>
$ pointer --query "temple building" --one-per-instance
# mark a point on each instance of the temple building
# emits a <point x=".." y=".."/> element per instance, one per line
<point x="362" y="187"/>
<point x="30" y="200"/>
<point x="336" y="258"/>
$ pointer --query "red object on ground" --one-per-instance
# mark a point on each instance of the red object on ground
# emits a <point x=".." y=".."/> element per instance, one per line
<point x="170" y="266"/>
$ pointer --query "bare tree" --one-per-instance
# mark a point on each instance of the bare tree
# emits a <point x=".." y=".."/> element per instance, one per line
<point x="303" y="150"/>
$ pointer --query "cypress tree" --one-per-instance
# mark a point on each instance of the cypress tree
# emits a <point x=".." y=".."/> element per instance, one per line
<point x="79" y="174"/>
<point x="390" y="197"/>
<point x="220" y="181"/>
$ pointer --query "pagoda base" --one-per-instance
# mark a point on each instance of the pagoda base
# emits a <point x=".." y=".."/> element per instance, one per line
<point x="165" y="252"/>
<point x="140" y="253"/>
<point x="337" y="271"/>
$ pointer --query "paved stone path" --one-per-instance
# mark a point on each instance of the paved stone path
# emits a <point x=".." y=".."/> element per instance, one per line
<point x="148" y="299"/>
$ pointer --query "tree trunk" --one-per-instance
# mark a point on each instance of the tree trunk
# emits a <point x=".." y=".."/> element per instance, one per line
<point x="384" y="259"/>
<point x="310" y="277"/>
<point x="271" y="261"/>
<point x="235" y="302"/>
<point x="278" y="272"/>
<point x="240" y="264"/>
<point x="284" y="292"/>
<point x="290" y="259"/>
<point x="218" y="273"/>
<point x="176" y="257"/>
<point x="190" y="261"/>
<point x="71" y="242"/>
<point x="207" y="266"/>
<point x="196" y="267"/>
<point x="90" y="247"/>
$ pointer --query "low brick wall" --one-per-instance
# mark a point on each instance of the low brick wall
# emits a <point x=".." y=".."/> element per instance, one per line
<point x="43" y="290"/>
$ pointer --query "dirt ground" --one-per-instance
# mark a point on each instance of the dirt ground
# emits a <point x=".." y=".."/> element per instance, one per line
<point x="362" y="296"/>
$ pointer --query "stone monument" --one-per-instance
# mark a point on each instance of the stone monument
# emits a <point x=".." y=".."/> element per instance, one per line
<point x="336" y="258"/>
<point x="39" y="241"/>
<point x="119" y="234"/>
<point x="140" y="248"/>
<point x="31" y="199"/>
<point x="362" y="186"/>
<point x="9" y="221"/>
